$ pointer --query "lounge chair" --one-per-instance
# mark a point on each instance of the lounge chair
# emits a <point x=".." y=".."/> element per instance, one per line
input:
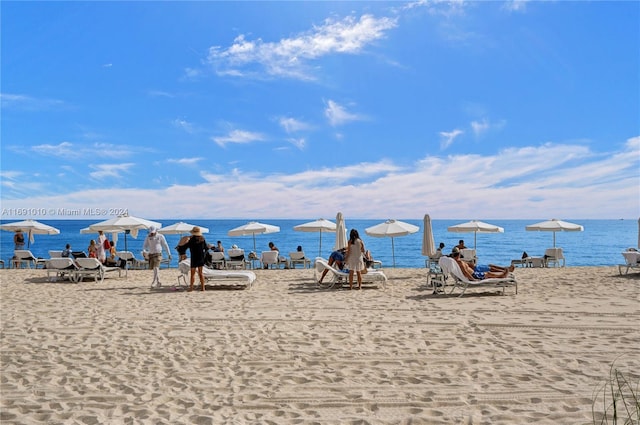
<point x="132" y="261"/>
<point x="631" y="261"/>
<point x="245" y="277"/>
<point x="554" y="256"/>
<point x="218" y="260"/>
<point x="468" y="255"/>
<point x="24" y="257"/>
<point x="55" y="254"/>
<point x="236" y="259"/>
<point x="91" y="267"/>
<point x="271" y="259"/>
<point x="297" y="257"/>
<point x="339" y="277"/>
<point x="61" y="268"/>
<point x="450" y="267"/>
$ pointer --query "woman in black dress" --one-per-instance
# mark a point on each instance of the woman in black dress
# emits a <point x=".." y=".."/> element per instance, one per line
<point x="198" y="247"/>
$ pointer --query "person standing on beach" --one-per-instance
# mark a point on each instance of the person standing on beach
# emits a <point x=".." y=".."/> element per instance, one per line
<point x="198" y="248"/>
<point x="154" y="243"/>
<point x="102" y="254"/>
<point x="355" y="251"/>
<point x="18" y="240"/>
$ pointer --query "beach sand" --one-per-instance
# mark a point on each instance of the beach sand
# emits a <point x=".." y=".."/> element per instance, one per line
<point x="287" y="352"/>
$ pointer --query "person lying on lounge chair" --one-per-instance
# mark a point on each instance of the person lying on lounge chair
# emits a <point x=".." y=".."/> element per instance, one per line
<point x="481" y="272"/>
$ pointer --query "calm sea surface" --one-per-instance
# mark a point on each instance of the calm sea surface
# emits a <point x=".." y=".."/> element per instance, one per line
<point x="600" y="244"/>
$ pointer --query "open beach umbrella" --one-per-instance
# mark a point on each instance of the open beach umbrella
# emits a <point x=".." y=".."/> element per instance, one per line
<point x="253" y="228"/>
<point x="127" y="223"/>
<point x="181" y="228"/>
<point x="554" y="225"/>
<point x="341" y="232"/>
<point x="475" y="227"/>
<point x="31" y="227"/>
<point x="428" y="245"/>
<point x="391" y="228"/>
<point x="319" y="225"/>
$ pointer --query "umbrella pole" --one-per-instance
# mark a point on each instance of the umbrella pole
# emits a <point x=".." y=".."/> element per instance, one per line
<point x="554" y="239"/>
<point x="254" y="243"/>
<point x="393" y="253"/>
<point x="320" y="247"/>
<point x="475" y="239"/>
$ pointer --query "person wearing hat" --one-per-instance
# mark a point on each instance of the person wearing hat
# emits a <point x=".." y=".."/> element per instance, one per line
<point x="154" y="243"/>
<point x="198" y="248"/>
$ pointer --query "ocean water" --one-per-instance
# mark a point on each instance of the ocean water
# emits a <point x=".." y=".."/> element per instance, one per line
<point x="600" y="244"/>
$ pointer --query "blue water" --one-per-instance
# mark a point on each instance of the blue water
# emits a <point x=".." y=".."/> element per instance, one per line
<point x="600" y="244"/>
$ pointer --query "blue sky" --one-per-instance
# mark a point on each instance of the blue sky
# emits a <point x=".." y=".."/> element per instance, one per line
<point x="469" y="110"/>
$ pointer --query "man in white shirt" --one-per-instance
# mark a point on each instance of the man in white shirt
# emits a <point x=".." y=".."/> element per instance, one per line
<point x="154" y="244"/>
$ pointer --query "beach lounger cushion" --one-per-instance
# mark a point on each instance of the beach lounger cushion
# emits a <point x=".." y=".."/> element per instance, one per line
<point x="450" y="267"/>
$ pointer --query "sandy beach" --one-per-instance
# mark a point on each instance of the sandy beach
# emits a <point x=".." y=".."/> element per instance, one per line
<point x="285" y="351"/>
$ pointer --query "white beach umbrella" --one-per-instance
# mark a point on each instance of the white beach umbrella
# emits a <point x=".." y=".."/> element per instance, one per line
<point x="319" y="225"/>
<point x="428" y="244"/>
<point x="391" y="228"/>
<point x="554" y="225"/>
<point x="253" y="228"/>
<point x="127" y="223"/>
<point x="181" y="228"/>
<point x="475" y="227"/>
<point x="31" y="227"/>
<point x="341" y="232"/>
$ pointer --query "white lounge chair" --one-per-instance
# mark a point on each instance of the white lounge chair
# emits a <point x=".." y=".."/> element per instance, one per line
<point x="631" y="261"/>
<point x="270" y="259"/>
<point x="61" y="268"/>
<point x="297" y="257"/>
<point x="218" y="260"/>
<point x="236" y="259"/>
<point x="450" y="267"/>
<point x="55" y="254"/>
<point x="24" y="257"/>
<point x="339" y="277"/>
<point x="91" y="267"/>
<point x="468" y="255"/>
<point x="245" y="277"/>
<point x="554" y="256"/>
<point x="132" y="261"/>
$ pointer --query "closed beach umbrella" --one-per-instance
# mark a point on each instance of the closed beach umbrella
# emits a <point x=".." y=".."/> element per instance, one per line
<point x="31" y="227"/>
<point x="341" y="232"/>
<point x="554" y="225"/>
<point x="428" y="245"/>
<point x="319" y="225"/>
<point x="181" y="228"/>
<point x="253" y="228"/>
<point x="127" y="223"/>
<point x="475" y="227"/>
<point x="391" y="228"/>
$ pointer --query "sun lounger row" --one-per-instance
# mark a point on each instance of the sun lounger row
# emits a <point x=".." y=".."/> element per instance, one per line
<point x="77" y="269"/>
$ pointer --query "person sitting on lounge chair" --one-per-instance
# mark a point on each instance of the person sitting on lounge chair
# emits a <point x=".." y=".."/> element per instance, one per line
<point x="481" y="272"/>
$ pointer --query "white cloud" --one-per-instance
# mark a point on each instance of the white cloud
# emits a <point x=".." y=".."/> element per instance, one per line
<point x="338" y="115"/>
<point x="290" y="57"/>
<point x="447" y="137"/>
<point x="480" y="127"/>
<point x="25" y="102"/>
<point x="185" y="161"/>
<point x="184" y="125"/>
<point x="292" y="125"/>
<point x="564" y="180"/>
<point x="109" y="171"/>
<point x="239" y="136"/>
<point x="75" y="151"/>
<point x="298" y="143"/>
